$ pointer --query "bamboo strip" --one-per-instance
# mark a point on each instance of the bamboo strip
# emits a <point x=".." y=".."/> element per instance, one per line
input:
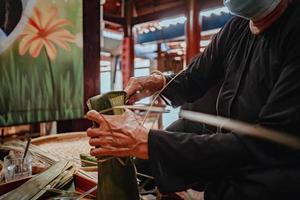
<point x="158" y="109"/>
<point x="243" y="128"/>
<point x="90" y="169"/>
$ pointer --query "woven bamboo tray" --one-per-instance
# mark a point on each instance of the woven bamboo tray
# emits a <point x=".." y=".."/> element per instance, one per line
<point x="67" y="146"/>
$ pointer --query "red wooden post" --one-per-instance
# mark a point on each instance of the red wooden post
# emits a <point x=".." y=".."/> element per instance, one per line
<point x="128" y="44"/>
<point x="127" y="59"/>
<point x="193" y="30"/>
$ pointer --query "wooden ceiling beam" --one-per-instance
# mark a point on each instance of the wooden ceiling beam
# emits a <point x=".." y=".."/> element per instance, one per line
<point x="207" y="4"/>
<point x="144" y="10"/>
<point x="167" y="11"/>
<point x="159" y="15"/>
<point x="114" y="19"/>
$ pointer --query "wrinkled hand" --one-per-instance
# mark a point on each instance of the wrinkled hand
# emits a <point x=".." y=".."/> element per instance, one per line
<point x="118" y="135"/>
<point x="141" y="87"/>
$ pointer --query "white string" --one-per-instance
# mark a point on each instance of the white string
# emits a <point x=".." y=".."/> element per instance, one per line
<point x="156" y="95"/>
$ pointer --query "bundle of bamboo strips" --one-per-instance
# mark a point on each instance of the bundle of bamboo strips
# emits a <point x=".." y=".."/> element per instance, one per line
<point x="48" y="151"/>
<point x="56" y="177"/>
<point x="87" y="160"/>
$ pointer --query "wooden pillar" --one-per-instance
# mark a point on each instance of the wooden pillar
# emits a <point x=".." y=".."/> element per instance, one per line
<point x="160" y="64"/>
<point x="128" y="43"/>
<point x="91" y="39"/>
<point x="193" y="37"/>
<point x="193" y="30"/>
<point x="91" y="59"/>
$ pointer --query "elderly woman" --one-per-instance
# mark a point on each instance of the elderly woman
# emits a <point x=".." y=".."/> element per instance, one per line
<point x="257" y="55"/>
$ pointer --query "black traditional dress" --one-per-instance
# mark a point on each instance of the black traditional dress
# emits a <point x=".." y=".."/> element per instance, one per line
<point x="261" y="85"/>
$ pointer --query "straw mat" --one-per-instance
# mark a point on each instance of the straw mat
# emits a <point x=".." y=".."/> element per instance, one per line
<point x="67" y="146"/>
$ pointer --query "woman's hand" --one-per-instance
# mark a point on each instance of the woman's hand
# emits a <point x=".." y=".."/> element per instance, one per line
<point x="141" y="87"/>
<point x="118" y="135"/>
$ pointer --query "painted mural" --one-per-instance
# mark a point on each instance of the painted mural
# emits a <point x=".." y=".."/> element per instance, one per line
<point x="41" y="61"/>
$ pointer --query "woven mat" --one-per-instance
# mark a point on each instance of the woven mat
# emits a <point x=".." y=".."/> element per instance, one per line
<point x="67" y="146"/>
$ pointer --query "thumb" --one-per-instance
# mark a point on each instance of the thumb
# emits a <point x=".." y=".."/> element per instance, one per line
<point x="93" y="115"/>
<point x="133" y="86"/>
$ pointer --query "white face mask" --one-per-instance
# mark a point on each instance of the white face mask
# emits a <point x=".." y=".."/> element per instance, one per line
<point x="251" y="9"/>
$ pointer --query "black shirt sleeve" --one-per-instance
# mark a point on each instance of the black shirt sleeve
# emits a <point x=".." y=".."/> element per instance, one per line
<point x="202" y="73"/>
<point x="180" y="160"/>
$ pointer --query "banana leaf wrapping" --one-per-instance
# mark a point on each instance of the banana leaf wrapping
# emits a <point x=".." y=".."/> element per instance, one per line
<point x="116" y="180"/>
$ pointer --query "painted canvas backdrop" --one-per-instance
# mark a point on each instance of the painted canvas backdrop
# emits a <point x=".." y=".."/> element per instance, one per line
<point x="41" y="62"/>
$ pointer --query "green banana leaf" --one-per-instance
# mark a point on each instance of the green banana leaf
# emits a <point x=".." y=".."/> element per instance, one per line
<point x="116" y="180"/>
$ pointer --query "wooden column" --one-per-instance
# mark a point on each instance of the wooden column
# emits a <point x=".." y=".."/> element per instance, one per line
<point x="160" y="64"/>
<point x="193" y="37"/>
<point x="91" y="59"/>
<point x="193" y="30"/>
<point x="91" y="39"/>
<point x="128" y="43"/>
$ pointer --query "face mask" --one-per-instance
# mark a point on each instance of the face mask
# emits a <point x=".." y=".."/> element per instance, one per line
<point x="251" y="9"/>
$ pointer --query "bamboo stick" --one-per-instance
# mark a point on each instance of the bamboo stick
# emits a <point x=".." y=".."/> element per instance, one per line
<point x="243" y="128"/>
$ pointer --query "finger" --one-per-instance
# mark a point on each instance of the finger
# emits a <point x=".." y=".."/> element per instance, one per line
<point x="118" y="152"/>
<point x="134" y="98"/>
<point x="133" y="89"/>
<point x="94" y="116"/>
<point x="108" y="143"/>
<point x="105" y="141"/>
<point x="97" y="132"/>
<point x="138" y="96"/>
<point x="130" y="90"/>
<point x="132" y="86"/>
